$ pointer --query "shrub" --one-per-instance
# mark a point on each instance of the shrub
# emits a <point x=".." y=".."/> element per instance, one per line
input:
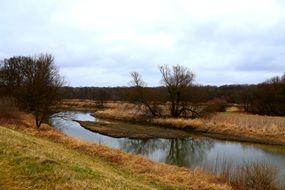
<point x="216" y="105"/>
<point x="8" y="109"/>
<point x="249" y="175"/>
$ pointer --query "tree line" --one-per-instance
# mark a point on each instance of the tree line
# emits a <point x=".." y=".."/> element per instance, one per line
<point x="267" y="98"/>
<point x="34" y="83"/>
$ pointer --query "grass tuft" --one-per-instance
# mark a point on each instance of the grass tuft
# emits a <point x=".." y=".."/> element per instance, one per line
<point x="249" y="175"/>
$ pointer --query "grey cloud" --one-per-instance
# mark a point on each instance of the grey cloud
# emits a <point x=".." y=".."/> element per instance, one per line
<point x="218" y="49"/>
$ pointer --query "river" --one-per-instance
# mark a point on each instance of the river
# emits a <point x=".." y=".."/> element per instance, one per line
<point x="194" y="151"/>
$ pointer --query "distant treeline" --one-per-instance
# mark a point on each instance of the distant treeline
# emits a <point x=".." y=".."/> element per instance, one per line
<point x="267" y="98"/>
<point x="34" y="82"/>
<point x="200" y="94"/>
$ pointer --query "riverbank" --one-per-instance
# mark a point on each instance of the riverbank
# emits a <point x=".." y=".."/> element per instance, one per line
<point x="133" y="131"/>
<point x="46" y="158"/>
<point x="227" y="125"/>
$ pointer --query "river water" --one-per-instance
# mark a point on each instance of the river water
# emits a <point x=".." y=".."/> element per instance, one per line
<point x="195" y="151"/>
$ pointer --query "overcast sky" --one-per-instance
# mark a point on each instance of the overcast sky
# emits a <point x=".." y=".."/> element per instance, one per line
<point x="99" y="42"/>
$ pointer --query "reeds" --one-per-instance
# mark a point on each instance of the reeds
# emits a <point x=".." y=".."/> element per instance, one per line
<point x="254" y="175"/>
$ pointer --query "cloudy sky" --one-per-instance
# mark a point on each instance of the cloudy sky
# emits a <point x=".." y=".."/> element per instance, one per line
<point x="99" y="42"/>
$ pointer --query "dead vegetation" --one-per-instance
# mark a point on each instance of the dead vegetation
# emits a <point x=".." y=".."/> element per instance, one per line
<point x="228" y="125"/>
<point x="146" y="170"/>
<point x="76" y="104"/>
<point x="7" y="108"/>
<point x="248" y="175"/>
<point x="9" y="113"/>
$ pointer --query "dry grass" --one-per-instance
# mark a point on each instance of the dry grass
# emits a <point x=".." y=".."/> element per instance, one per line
<point x="122" y="111"/>
<point x="77" y="104"/>
<point x="165" y="176"/>
<point x="260" y="124"/>
<point x="89" y="105"/>
<point x="236" y="126"/>
<point x="178" y="123"/>
<point x="249" y="175"/>
<point x="229" y="125"/>
<point x="254" y="176"/>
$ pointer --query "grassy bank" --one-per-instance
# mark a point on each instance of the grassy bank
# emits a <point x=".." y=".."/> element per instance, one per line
<point x="29" y="162"/>
<point x="227" y="125"/>
<point x="47" y="159"/>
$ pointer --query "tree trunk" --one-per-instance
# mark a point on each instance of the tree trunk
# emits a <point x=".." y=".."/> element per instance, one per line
<point x="38" y="121"/>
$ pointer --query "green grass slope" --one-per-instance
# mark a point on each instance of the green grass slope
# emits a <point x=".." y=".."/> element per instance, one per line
<point x="28" y="162"/>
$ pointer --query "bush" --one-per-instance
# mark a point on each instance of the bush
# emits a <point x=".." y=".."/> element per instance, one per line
<point x="8" y="109"/>
<point x="216" y="105"/>
<point x="249" y="175"/>
<point x="254" y="176"/>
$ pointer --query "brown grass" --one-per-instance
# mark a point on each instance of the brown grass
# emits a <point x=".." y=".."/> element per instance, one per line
<point x="228" y="125"/>
<point x="88" y="105"/>
<point x="249" y="175"/>
<point x="76" y="104"/>
<point x="254" y="176"/>
<point x="172" y="176"/>
<point x="261" y="124"/>
<point x="123" y="111"/>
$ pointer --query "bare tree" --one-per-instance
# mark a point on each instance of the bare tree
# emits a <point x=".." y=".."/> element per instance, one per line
<point x="34" y="82"/>
<point x="276" y="79"/>
<point x="176" y="81"/>
<point x="11" y="74"/>
<point x="137" y="80"/>
<point x="140" y="94"/>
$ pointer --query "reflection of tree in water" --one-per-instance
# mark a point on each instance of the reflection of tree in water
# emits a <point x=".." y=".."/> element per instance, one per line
<point x="187" y="152"/>
<point x="144" y="147"/>
<point x="183" y="152"/>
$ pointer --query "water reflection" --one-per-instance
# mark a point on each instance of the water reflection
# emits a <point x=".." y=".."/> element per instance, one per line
<point x="190" y="152"/>
<point x="182" y="152"/>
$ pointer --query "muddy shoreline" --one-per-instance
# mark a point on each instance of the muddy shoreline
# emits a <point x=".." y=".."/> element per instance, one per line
<point x="133" y="131"/>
